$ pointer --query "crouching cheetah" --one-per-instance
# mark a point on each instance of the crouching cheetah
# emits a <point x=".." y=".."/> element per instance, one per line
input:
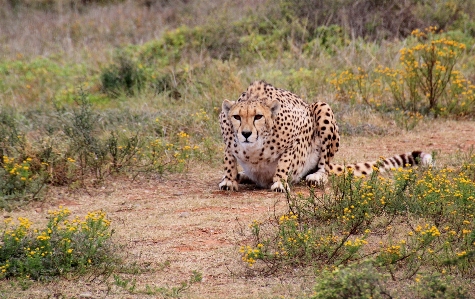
<point x="277" y="137"/>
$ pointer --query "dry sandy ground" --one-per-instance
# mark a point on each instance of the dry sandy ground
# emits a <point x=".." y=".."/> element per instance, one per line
<point x="182" y="223"/>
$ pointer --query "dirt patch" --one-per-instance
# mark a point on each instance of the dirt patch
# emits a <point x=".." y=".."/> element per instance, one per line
<point x="183" y="221"/>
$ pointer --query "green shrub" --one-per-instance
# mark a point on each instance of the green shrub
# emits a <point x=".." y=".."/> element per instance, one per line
<point x="64" y="245"/>
<point x="326" y="38"/>
<point x="81" y="125"/>
<point x="74" y="142"/>
<point x="21" y="178"/>
<point x="434" y="208"/>
<point x="358" y="281"/>
<point x="435" y="286"/>
<point x="426" y="81"/>
<point x="166" y="292"/>
<point x="96" y="150"/>
<point x="427" y="71"/>
<point x="123" y="76"/>
<point x="19" y="182"/>
<point x="10" y="135"/>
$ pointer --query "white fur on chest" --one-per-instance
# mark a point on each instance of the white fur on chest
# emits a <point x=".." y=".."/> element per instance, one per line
<point x="262" y="169"/>
<point x="261" y="173"/>
<point x="259" y="168"/>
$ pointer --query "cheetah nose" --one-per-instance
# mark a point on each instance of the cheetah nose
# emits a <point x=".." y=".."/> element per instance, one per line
<point x="246" y="134"/>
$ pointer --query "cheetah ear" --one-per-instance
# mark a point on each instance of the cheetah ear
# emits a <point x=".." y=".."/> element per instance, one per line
<point x="227" y="106"/>
<point x="274" y="107"/>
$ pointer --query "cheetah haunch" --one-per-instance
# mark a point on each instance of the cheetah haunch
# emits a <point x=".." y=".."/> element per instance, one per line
<point x="274" y="135"/>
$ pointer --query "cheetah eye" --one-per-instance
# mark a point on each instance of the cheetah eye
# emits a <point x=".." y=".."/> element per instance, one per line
<point x="237" y="117"/>
<point x="257" y="117"/>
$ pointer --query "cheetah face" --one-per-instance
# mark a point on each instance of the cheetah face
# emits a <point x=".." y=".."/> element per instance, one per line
<point x="251" y="121"/>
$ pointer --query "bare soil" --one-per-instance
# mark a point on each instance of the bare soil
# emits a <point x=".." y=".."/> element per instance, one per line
<point x="182" y="222"/>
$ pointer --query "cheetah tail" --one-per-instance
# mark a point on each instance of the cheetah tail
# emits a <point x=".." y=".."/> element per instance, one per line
<point x="403" y="160"/>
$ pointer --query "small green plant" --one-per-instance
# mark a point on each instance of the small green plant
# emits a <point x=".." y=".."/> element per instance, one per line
<point x="358" y="281"/>
<point x="122" y="149"/>
<point x="129" y="285"/>
<point x="19" y="182"/>
<point x="64" y="245"/>
<point x="434" y="286"/>
<point x="10" y="135"/>
<point x="82" y="127"/>
<point x="126" y="284"/>
<point x="21" y="178"/>
<point x="406" y="119"/>
<point x="161" y="155"/>
<point x="16" y="176"/>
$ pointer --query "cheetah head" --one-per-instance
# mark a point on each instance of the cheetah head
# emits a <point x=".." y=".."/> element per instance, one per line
<point x="252" y="121"/>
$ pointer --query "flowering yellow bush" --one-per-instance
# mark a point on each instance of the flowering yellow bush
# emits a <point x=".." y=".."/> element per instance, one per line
<point x="434" y="209"/>
<point x="162" y="155"/>
<point x="426" y="81"/>
<point x="17" y="171"/>
<point x="62" y="246"/>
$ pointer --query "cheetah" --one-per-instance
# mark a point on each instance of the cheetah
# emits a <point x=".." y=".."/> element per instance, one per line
<point x="278" y="138"/>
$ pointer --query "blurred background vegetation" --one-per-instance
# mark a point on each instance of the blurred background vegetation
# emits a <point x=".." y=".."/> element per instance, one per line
<point x="93" y="88"/>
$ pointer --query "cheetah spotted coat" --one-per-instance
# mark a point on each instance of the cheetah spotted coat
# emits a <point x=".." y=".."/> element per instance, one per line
<point x="278" y="138"/>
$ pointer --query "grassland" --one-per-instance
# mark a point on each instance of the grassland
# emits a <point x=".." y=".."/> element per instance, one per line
<point x="111" y="106"/>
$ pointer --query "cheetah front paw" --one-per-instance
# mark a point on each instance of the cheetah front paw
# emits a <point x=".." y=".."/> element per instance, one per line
<point x="227" y="184"/>
<point x="279" y="187"/>
<point x="317" y="179"/>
